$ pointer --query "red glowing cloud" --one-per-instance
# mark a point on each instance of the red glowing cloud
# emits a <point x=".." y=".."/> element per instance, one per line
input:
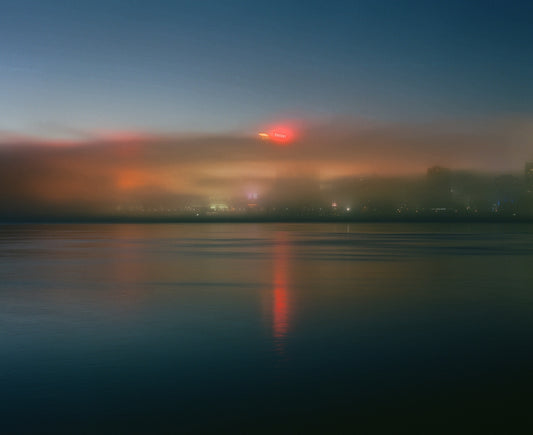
<point x="279" y="134"/>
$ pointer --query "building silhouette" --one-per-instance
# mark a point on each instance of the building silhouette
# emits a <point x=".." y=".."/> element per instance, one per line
<point x="528" y="175"/>
<point x="439" y="188"/>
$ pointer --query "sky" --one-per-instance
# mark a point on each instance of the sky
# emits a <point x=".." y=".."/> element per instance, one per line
<point x="431" y="82"/>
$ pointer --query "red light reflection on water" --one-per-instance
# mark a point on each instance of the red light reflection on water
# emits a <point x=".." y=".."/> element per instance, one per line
<point x="281" y="313"/>
<point x="280" y="307"/>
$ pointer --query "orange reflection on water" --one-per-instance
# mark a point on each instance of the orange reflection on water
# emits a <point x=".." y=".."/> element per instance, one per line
<point x="280" y="307"/>
<point x="128" y="264"/>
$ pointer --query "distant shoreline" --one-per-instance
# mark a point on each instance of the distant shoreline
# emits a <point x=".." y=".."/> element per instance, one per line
<point x="235" y="220"/>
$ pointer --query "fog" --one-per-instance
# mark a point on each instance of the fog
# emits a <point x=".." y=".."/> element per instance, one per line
<point x="354" y="162"/>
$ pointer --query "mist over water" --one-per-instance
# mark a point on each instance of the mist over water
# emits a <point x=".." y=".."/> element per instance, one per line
<point x="255" y="327"/>
<point x="382" y="168"/>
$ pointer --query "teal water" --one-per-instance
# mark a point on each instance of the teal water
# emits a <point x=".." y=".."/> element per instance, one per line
<point x="266" y="328"/>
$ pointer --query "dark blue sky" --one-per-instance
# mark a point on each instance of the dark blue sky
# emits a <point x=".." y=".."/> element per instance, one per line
<point x="212" y="66"/>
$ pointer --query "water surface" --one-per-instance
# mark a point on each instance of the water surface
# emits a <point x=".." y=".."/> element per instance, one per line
<point x="266" y="327"/>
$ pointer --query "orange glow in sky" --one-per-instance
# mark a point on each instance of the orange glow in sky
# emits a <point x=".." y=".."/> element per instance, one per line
<point x="130" y="179"/>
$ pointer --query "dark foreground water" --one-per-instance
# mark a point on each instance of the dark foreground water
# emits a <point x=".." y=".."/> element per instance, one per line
<point x="271" y="328"/>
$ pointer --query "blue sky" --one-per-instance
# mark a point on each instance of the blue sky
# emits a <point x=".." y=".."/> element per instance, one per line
<point x="218" y="66"/>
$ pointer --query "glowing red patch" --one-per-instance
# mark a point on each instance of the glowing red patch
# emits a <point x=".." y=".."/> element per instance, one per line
<point x="281" y="136"/>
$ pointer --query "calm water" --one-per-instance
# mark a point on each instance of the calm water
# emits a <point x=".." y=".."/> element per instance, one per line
<point x="266" y="327"/>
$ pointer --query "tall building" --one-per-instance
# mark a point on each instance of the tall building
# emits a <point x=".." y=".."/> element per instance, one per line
<point x="528" y="173"/>
<point x="439" y="182"/>
<point x="508" y="190"/>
